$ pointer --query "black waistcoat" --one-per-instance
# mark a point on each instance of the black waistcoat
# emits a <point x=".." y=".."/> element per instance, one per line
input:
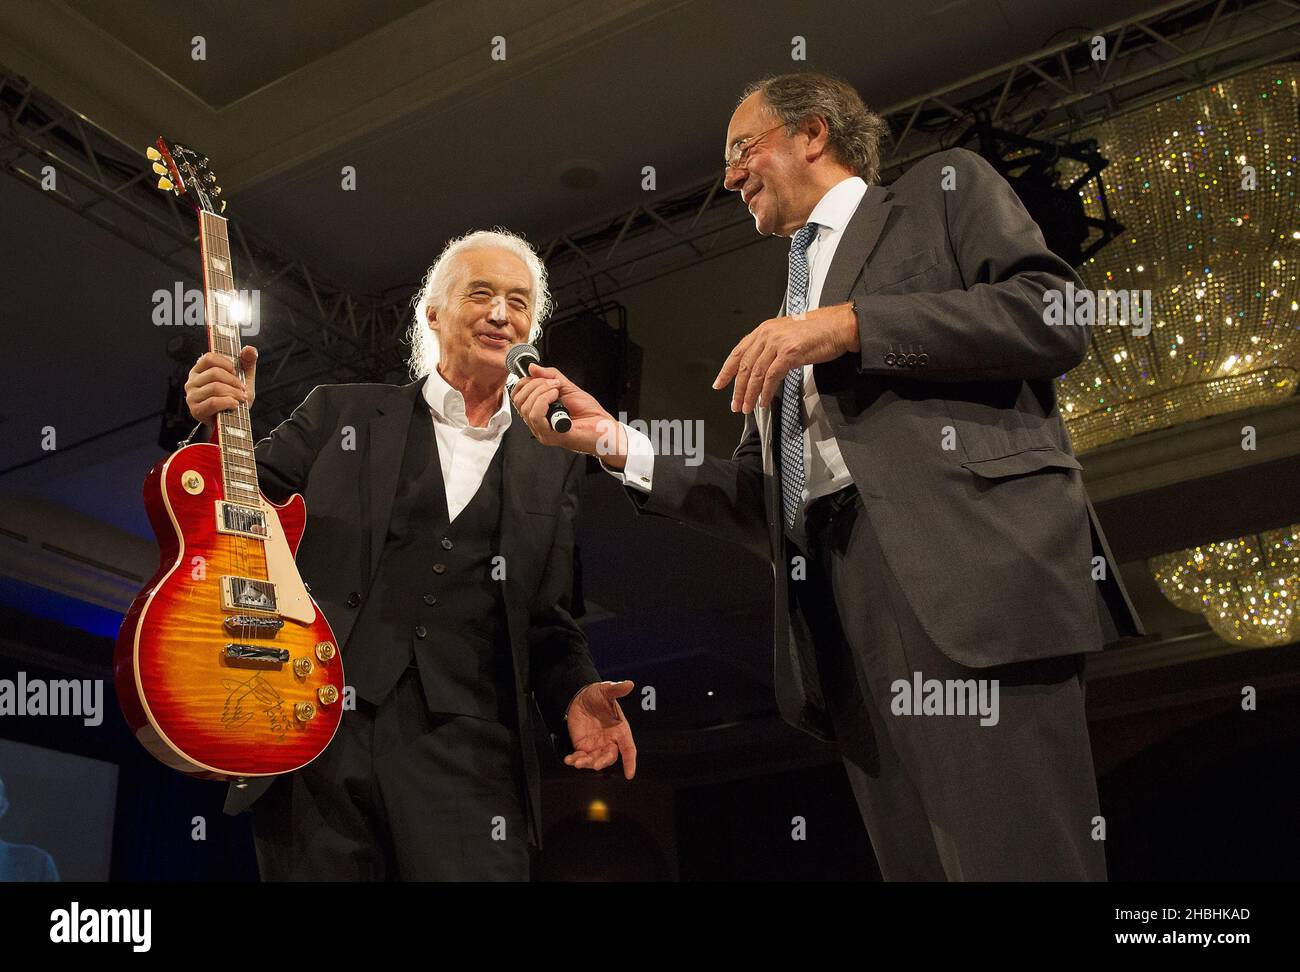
<point x="437" y="596"/>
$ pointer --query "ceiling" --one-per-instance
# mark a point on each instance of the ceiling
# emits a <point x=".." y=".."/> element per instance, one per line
<point x="443" y="137"/>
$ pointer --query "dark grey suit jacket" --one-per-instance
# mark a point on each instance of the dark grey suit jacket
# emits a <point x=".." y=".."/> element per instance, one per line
<point x="993" y="540"/>
<point x="349" y="495"/>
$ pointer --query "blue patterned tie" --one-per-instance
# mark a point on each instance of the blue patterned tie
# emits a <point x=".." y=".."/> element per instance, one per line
<point x="792" y="471"/>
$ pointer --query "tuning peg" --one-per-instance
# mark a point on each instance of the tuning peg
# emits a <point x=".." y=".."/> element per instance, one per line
<point x="152" y="154"/>
<point x="159" y="168"/>
<point x="210" y="177"/>
<point x="164" y="183"/>
<point x="223" y="206"/>
<point x="216" y="190"/>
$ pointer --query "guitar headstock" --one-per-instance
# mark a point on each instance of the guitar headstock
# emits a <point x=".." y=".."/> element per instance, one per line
<point x="186" y="173"/>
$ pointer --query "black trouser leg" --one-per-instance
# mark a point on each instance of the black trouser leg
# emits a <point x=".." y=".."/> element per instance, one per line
<point x="321" y="823"/>
<point x="1013" y="799"/>
<point x="887" y="798"/>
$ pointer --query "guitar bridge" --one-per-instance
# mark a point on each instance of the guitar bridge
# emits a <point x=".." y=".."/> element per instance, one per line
<point x="253" y="621"/>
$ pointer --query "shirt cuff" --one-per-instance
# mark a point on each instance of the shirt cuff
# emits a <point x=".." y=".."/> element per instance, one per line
<point x="575" y="697"/>
<point x="638" y="470"/>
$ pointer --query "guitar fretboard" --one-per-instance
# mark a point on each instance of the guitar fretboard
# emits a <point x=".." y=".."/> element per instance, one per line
<point x="225" y="312"/>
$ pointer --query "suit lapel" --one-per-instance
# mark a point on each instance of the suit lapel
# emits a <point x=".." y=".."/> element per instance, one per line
<point x="763" y="420"/>
<point x="763" y="414"/>
<point x="515" y="446"/>
<point x="855" y="246"/>
<point x="515" y="461"/>
<point x="387" y="439"/>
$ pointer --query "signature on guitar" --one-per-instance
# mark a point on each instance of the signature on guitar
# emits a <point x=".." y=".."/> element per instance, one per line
<point x="235" y="715"/>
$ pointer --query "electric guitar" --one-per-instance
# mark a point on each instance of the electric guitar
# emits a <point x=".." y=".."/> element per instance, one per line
<point x="225" y="667"/>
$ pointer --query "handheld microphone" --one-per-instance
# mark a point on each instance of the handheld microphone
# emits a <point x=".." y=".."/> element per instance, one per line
<point x="518" y="358"/>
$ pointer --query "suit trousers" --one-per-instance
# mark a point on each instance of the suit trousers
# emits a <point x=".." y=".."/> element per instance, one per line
<point x="400" y="794"/>
<point x="942" y="795"/>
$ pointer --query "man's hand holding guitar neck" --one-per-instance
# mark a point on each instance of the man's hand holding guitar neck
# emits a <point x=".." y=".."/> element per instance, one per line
<point x="214" y="386"/>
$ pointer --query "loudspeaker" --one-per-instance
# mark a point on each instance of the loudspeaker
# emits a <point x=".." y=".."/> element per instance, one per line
<point x="596" y="357"/>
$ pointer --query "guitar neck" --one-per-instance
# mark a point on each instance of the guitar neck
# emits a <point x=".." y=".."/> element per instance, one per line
<point x="225" y="311"/>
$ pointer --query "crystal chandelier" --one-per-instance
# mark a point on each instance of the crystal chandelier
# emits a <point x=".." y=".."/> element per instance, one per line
<point x="1246" y="588"/>
<point x="1218" y="258"/>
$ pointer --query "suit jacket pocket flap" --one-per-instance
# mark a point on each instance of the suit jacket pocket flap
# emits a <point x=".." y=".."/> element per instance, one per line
<point x="878" y="275"/>
<point x="1016" y="464"/>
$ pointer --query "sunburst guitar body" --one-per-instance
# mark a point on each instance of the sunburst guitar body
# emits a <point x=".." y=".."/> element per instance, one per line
<point x="225" y="667"/>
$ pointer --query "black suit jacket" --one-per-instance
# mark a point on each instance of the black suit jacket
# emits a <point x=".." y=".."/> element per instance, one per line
<point x="993" y="540"/>
<point x="349" y="494"/>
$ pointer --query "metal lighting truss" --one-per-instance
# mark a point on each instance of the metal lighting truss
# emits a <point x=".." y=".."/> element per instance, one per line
<point x="1176" y="48"/>
<point x="321" y="327"/>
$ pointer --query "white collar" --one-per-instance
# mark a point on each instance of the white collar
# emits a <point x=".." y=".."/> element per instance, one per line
<point x="837" y="207"/>
<point x="448" y="404"/>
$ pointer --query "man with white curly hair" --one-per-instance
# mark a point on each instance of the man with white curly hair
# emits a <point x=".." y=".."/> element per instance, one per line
<point x="439" y="544"/>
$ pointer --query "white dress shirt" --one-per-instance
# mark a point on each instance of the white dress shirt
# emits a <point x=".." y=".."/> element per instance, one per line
<point x="464" y="451"/>
<point x="824" y="469"/>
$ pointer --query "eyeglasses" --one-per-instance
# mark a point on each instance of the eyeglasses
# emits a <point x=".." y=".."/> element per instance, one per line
<point x="739" y="153"/>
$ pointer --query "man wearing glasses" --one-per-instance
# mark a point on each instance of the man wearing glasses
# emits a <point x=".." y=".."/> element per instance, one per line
<point x="905" y="468"/>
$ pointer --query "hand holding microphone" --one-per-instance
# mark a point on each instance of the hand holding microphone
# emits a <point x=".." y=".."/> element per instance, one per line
<point x="518" y="360"/>
<point x="560" y="413"/>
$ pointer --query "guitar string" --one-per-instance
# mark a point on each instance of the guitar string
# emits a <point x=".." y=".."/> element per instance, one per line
<point x="214" y="344"/>
<point x="217" y="241"/>
<point x="242" y="417"/>
<point x="219" y="341"/>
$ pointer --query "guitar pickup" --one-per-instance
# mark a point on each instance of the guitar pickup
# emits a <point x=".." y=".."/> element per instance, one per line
<point x="237" y="652"/>
<point x="242" y="521"/>
<point x="247" y="594"/>
<point x="256" y="622"/>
